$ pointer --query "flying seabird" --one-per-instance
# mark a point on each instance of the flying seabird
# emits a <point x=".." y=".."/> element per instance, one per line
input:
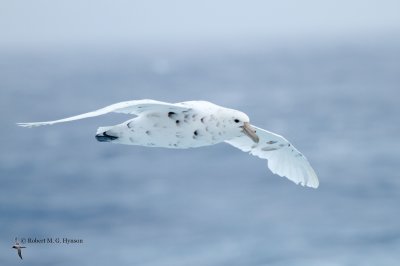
<point x="194" y="124"/>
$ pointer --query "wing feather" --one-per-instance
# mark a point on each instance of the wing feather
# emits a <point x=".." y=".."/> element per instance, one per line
<point x="129" y="107"/>
<point x="283" y="158"/>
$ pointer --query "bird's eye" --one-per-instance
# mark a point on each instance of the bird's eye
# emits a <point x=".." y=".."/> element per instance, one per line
<point x="236" y="120"/>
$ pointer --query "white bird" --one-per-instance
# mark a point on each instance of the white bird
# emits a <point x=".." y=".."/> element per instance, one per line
<point x="18" y="247"/>
<point x="199" y="123"/>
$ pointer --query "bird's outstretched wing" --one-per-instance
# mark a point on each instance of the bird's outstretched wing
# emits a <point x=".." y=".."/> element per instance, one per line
<point x="283" y="158"/>
<point x="128" y="107"/>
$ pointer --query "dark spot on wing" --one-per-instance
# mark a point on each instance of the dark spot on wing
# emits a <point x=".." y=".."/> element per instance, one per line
<point x="148" y="132"/>
<point x="196" y="133"/>
<point x="271" y="142"/>
<point x="202" y="119"/>
<point x="268" y="149"/>
<point x="172" y="115"/>
<point x="177" y="122"/>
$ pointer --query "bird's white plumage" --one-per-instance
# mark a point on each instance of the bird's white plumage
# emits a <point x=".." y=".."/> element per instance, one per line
<point x="283" y="158"/>
<point x="135" y="107"/>
<point x="198" y="123"/>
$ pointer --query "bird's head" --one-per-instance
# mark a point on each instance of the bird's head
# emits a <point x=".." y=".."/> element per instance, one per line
<point x="240" y="122"/>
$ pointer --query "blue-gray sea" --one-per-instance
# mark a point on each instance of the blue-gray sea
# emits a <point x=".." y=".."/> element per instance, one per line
<point x="337" y="103"/>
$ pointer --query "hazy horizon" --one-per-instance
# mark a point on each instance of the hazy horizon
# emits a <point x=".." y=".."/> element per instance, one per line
<point x="179" y="23"/>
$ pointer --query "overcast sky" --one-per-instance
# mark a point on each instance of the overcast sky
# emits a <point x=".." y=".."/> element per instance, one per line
<point x="101" y="22"/>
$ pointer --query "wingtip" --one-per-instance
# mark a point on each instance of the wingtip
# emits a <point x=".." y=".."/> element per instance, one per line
<point x="312" y="183"/>
<point x="31" y="125"/>
<point x="314" y="186"/>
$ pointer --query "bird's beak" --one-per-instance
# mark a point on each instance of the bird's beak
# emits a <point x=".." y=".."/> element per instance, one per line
<point x="250" y="132"/>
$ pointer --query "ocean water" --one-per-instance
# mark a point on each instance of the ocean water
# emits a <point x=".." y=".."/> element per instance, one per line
<point x="338" y="104"/>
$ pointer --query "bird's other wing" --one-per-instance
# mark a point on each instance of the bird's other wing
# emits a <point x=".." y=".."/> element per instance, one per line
<point x="20" y="253"/>
<point x="283" y="158"/>
<point x="129" y="107"/>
